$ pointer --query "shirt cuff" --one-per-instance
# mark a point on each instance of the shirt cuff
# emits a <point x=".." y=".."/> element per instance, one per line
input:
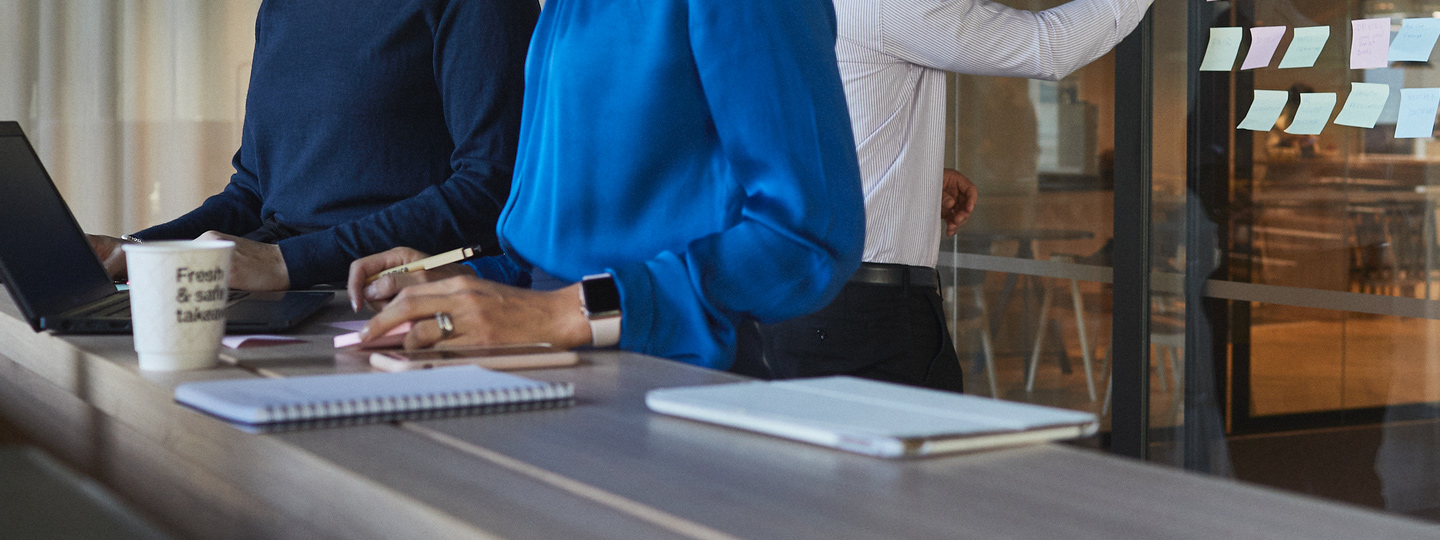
<point x="315" y="258"/>
<point x="637" y="305"/>
<point x="164" y="231"/>
<point x="500" y="269"/>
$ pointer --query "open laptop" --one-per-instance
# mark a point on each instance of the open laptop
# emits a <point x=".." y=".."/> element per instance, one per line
<point x="59" y="284"/>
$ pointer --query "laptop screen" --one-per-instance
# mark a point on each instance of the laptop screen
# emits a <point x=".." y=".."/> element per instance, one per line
<point x="48" y="265"/>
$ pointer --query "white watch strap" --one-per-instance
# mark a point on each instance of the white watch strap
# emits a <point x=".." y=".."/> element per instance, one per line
<point x="605" y="332"/>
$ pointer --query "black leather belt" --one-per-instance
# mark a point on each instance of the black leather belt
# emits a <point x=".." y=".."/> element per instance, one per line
<point x="895" y="274"/>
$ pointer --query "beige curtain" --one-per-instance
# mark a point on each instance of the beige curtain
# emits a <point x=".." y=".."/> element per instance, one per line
<point x="135" y="106"/>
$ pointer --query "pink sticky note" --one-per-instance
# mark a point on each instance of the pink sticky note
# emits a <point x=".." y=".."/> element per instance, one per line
<point x="1263" y="41"/>
<point x="1371" y="46"/>
<point x="245" y="342"/>
<point x="393" y="338"/>
<point x="353" y="326"/>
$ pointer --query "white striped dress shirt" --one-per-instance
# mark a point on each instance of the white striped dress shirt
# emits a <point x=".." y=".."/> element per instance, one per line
<point x="893" y="58"/>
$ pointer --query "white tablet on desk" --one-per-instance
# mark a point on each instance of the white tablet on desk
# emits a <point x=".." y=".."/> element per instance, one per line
<point x="871" y="417"/>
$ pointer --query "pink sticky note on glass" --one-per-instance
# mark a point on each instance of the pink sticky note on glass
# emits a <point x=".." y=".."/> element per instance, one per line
<point x="1263" y="41"/>
<point x="1371" y="46"/>
<point x="394" y="338"/>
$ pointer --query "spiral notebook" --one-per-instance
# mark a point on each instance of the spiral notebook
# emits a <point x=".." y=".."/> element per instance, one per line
<point x="360" y="395"/>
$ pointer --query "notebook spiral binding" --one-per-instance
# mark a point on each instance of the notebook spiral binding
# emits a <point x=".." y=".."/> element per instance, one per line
<point x="387" y="405"/>
<point x="411" y="416"/>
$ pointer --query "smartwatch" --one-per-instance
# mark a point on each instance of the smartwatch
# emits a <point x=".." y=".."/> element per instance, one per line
<point x="600" y="302"/>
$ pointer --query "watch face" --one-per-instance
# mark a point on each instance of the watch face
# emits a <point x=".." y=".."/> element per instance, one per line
<point x="601" y="296"/>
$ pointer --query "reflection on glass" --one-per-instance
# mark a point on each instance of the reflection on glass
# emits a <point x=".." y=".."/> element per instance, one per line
<point x="1041" y="154"/>
<point x="1320" y="311"/>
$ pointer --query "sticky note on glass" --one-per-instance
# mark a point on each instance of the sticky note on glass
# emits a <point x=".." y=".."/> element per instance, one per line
<point x="1265" y="110"/>
<point x="1371" y="46"/>
<point x="1313" y="114"/>
<point x="1224" y="45"/>
<point x="1415" y="41"/>
<point x="1417" y="113"/>
<point x="1305" y="47"/>
<point x="1363" y="106"/>
<point x="1263" y="40"/>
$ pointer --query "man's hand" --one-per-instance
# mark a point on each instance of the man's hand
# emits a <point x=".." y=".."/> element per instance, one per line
<point x="107" y="249"/>
<point x="376" y="294"/>
<point x="256" y="266"/>
<point x="484" y="313"/>
<point x="957" y="200"/>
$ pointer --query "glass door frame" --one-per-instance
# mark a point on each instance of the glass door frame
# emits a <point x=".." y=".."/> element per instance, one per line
<point x="1130" y="331"/>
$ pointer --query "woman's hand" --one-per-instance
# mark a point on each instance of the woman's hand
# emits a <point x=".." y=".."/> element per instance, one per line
<point x="378" y="293"/>
<point x="483" y="313"/>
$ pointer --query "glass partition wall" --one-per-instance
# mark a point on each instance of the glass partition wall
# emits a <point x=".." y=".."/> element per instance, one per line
<point x="1027" y="278"/>
<point x="1266" y="299"/>
<point x="1320" y="304"/>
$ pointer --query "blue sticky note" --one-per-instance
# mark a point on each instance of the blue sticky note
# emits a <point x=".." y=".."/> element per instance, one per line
<point x="1415" y="40"/>
<point x="1313" y="114"/>
<point x="1363" y="107"/>
<point x="1417" y="113"/>
<point x="1265" y="110"/>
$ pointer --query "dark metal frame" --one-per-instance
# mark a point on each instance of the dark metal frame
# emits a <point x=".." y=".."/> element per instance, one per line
<point x="1209" y="322"/>
<point x="1335" y="418"/>
<point x="1130" y="333"/>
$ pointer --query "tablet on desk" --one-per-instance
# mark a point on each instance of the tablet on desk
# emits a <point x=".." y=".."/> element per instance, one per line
<point x="503" y="357"/>
<point x="872" y="417"/>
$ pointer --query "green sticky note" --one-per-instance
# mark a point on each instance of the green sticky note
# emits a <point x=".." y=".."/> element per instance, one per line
<point x="1313" y="114"/>
<point x="1364" y="105"/>
<point x="1265" y="110"/>
<point x="1305" y="47"/>
<point x="1224" y="45"/>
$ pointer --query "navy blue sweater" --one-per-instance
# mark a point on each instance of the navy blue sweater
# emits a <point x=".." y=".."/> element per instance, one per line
<point x="374" y="124"/>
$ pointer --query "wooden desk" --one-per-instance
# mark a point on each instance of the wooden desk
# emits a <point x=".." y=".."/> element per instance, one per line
<point x="605" y="468"/>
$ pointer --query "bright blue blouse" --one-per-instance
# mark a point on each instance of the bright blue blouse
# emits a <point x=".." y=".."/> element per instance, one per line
<point x="698" y="150"/>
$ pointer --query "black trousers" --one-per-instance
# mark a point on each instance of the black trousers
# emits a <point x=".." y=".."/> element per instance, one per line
<point x="894" y="333"/>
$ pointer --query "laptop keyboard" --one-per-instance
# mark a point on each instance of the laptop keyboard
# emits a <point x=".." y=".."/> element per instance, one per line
<point x="120" y="307"/>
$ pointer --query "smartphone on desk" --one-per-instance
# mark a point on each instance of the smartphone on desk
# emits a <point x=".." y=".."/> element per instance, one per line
<point x="500" y="357"/>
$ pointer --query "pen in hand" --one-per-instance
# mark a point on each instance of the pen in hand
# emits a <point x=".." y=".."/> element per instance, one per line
<point x="428" y="263"/>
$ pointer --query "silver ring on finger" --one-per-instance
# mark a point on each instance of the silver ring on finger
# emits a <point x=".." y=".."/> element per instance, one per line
<point x="447" y="326"/>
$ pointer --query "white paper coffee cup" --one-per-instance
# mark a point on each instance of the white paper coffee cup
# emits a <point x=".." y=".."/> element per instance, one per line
<point x="178" y="294"/>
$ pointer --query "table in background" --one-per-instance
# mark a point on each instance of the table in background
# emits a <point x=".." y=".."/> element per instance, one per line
<point x="606" y="468"/>
<point x="980" y="241"/>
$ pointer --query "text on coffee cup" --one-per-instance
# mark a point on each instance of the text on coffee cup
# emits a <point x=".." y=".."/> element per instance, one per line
<point x="215" y="293"/>
<point x="186" y="275"/>
<point x="199" y="315"/>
